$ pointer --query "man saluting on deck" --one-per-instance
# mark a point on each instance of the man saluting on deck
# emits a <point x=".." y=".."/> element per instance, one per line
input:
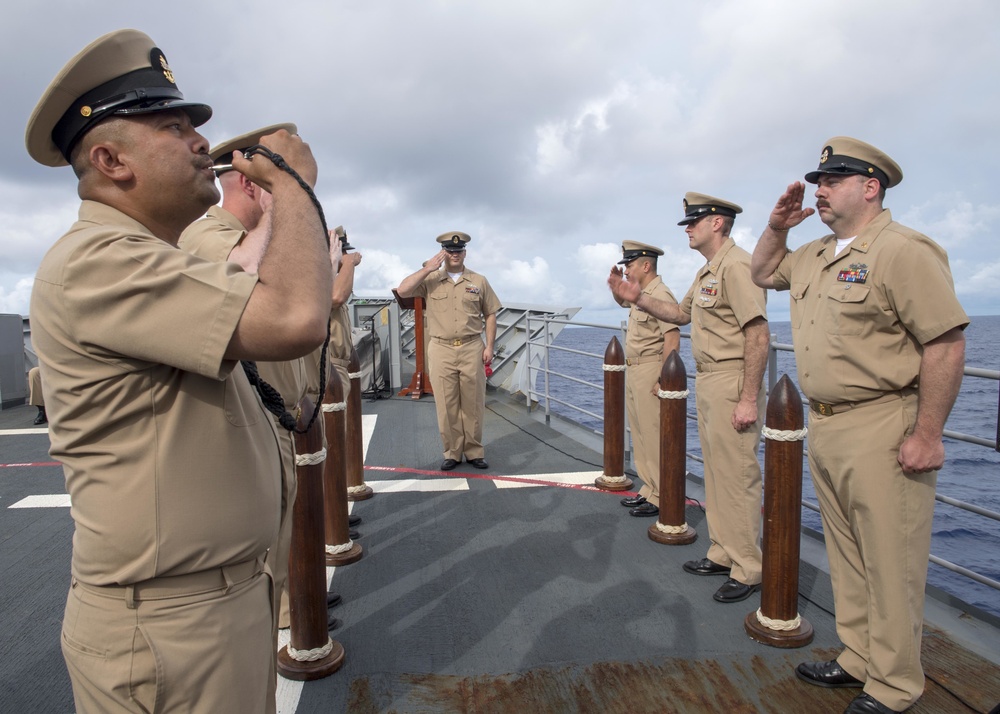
<point x="171" y="463"/>
<point x="879" y="350"/>
<point x="729" y="343"/>
<point x="460" y="305"/>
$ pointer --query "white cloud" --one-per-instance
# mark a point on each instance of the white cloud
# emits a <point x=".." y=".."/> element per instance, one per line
<point x="542" y="129"/>
<point x="15" y="301"/>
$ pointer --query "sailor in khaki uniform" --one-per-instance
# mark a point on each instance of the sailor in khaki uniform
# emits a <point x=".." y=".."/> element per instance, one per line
<point x="341" y="338"/>
<point x="460" y="304"/>
<point x="35" y="397"/>
<point x="880" y="351"/>
<point x="238" y="231"/>
<point x="648" y="342"/>
<point x="729" y="343"/>
<point x="172" y="465"/>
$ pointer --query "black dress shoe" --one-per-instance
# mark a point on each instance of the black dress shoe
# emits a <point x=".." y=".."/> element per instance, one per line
<point x="41" y="418"/>
<point x="867" y="704"/>
<point x="332" y="599"/>
<point x="633" y="501"/>
<point x="644" y="509"/>
<point x="734" y="591"/>
<point x="353" y="520"/>
<point x="826" y="674"/>
<point x="705" y="567"/>
<point x="448" y="464"/>
<point x="479" y="463"/>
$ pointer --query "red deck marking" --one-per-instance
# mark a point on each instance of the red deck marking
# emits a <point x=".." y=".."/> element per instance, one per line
<point x="516" y="479"/>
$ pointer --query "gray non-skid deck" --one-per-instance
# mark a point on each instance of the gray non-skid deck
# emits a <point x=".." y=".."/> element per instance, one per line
<point x="544" y="598"/>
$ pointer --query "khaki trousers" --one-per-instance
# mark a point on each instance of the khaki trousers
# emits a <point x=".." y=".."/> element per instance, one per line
<point x="877" y="523"/>
<point x="643" y="409"/>
<point x="209" y="651"/>
<point x="277" y="557"/>
<point x="732" y="474"/>
<point x="458" y="379"/>
<point x="35" y="398"/>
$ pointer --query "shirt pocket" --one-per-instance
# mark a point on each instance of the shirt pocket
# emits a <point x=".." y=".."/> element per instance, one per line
<point x="240" y="411"/>
<point x="848" y="309"/>
<point x="470" y="303"/>
<point x="797" y="295"/>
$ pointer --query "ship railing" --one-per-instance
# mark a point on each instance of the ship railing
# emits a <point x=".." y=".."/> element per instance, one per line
<point x="544" y="398"/>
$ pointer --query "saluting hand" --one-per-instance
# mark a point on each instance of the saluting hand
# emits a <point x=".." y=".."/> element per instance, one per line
<point x="788" y="211"/>
<point x="436" y="262"/>
<point x="622" y="288"/>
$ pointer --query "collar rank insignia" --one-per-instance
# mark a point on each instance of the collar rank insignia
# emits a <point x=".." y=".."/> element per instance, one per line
<point x="855" y="273"/>
<point x="709" y="290"/>
<point x="472" y="289"/>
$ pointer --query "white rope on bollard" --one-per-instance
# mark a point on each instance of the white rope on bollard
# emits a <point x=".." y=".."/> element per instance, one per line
<point x="613" y="367"/>
<point x="778" y="435"/>
<point x="335" y="406"/>
<point x="310" y="459"/>
<point x="311" y="655"/>
<point x="780" y="625"/>
<point x="672" y="395"/>
<point x="671" y="529"/>
<point x="338" y="549"/>
<point x="357" y="489"/>
<point x="614" y="479"/>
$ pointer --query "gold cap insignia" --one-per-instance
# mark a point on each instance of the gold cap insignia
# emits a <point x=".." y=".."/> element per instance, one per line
<point x="85" y="111"/>
<point x="825" y="156"/>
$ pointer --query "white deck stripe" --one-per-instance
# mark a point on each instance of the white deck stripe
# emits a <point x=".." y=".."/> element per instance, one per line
<point x="55" y="500"/>
<point x="22" y="432"/>
<point x="410" y="484"/>
<point x="573" y="477"/>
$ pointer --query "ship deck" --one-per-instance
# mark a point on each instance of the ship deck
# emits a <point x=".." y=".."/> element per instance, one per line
<point x="517" y="589"/>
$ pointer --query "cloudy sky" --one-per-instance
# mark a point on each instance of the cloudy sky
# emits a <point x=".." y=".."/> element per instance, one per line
<point x="551" y="131"/>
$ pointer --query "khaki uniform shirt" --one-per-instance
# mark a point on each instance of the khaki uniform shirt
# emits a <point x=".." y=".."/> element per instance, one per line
<point x="170" y="460"/>
<point x="859" y="319"/>
<point x="721" y="301"/>
<point x="456" y="310"/>
<point x="213" y="238"/>
<point x="645" y="333"/>
<point x="341" y="339"/>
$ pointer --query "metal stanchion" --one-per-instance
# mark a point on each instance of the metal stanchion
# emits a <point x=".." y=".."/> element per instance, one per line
<point x="671" y="527"/>
<point x="340" y="549"/>
<point x="357" y="489"/>
<point x="777" y="622"/>
<point x="311" y="653"/>
<point x="614" y="478"/>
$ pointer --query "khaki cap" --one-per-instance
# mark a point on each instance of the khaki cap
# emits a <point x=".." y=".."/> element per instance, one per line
<point x="244" y="141"/>
<point x="454" y="241"/>
<point x="844" y="155"/>
<point x="632" y="249"/>
<point x="120" y="74"/>
<point x="697" y="205"/>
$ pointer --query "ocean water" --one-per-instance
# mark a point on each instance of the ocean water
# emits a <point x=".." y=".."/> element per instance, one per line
<point x="971" y="472"/>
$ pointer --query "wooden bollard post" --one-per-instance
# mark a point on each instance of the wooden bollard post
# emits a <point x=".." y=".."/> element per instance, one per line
<point x="777" y="622"/>
<point x="357" y="489"/>
<point x="310" y="653"/>
<point x="614" y="478"/>
<point x="340" y="549"/>
<point x="671" y="527"/>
